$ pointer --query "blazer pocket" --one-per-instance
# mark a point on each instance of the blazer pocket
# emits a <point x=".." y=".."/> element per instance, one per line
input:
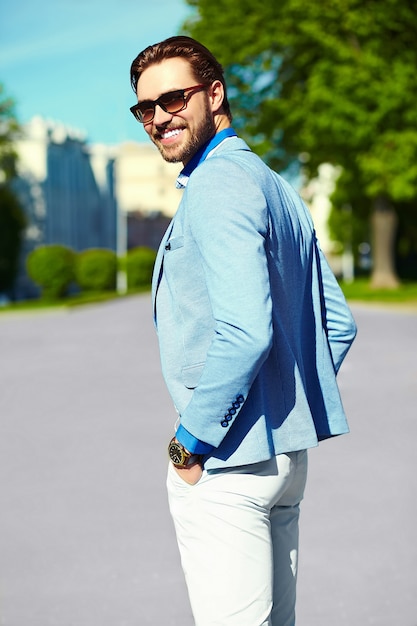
<point x="174" y="243"/>
<point x="191" y="375"/>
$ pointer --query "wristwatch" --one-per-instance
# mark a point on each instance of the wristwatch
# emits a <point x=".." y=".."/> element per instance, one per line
<point x="179" y="455"/>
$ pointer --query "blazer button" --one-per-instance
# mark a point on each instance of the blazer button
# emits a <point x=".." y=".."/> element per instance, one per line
<point x="224" y="423"/>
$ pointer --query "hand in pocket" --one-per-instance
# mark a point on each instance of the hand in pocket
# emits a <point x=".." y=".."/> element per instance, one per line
<point x="191" y="475"/>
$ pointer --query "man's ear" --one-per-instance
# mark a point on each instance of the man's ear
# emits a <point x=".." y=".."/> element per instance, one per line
<point x="216" y="96"/>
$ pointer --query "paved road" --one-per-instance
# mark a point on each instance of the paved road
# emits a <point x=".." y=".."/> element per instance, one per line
<point x="85" y="535"/>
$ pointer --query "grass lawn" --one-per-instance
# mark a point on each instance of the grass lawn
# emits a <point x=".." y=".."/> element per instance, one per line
<point x="357" y="291"/>
<point x="360" y="291"/>
<point x="67" y="302"/>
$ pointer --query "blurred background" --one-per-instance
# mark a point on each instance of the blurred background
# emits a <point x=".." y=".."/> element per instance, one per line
<point x="325" y="92"/>
<point x="72" y="156"/>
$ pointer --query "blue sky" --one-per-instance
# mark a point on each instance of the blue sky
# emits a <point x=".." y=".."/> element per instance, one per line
<point x="69" y="60"/>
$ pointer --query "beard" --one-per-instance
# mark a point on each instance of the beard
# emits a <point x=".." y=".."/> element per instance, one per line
<point x="183" y="152"/>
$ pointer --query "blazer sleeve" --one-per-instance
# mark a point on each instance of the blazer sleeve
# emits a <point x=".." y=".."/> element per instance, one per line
<point x="227" y="214"/>
<point x="338" y="321"/>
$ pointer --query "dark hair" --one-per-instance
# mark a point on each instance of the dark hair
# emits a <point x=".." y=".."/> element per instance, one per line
<point x="205" y="66"/>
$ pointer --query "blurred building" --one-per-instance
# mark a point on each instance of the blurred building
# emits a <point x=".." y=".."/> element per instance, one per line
<point x="87" y="196"/>
<point x="145" y="183"/>
<point x="146" y="193"/>
<point x="67" y="191"/>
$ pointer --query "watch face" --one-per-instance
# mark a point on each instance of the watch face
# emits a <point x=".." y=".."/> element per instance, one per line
<point x="176" y="454"/>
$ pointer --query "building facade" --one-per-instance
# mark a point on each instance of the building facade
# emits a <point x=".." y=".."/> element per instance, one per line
<point x="67" y="191"/>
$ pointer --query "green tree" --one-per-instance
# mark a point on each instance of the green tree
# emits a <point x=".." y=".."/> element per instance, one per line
<point x="9" y="131"/>
<point x="52" y="268"/>
<point x="96" y="269"/>
<point x="331" y="81"/>
<point x="12" y="218"/>
<point x="12" y="224"/>
<point x="139" y="264"/>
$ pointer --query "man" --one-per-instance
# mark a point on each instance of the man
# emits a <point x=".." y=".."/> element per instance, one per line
<point x="252" y="329"/>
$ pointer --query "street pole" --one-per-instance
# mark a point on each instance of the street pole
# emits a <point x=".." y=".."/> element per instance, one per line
<point x="121" y="251"/>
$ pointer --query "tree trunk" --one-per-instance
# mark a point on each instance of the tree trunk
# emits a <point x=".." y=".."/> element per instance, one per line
<point x="384" y="227"/>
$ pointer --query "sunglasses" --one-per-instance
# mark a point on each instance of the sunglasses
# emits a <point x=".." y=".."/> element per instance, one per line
<point x="172" y="102"/>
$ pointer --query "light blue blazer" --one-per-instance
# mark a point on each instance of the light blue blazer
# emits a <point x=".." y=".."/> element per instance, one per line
<point x="251" y="322"/>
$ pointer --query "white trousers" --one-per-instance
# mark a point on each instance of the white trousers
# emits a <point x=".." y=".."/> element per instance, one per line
<point x="237" y="532"/>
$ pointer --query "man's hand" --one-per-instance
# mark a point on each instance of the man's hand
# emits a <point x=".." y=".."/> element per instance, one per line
<point x="190" y="474"/>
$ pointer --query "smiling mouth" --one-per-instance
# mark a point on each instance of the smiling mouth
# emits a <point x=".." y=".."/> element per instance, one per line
<point x="169" y="133"/>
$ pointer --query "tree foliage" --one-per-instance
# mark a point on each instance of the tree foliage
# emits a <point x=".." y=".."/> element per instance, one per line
<point x="324" y="81"/>
<point x="9" y="132"/>
<point x="12" y="224"/>
<point x="139" y="266"/>
<point x="96" y="269"/>
<point x="12" y="218"/>
<point x="52" y="268"/>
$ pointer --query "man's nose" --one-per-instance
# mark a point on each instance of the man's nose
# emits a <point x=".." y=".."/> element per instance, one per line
<point x="161" y="116"/>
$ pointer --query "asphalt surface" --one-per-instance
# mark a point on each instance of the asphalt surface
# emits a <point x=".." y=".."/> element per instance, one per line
<point x="85" y="534"/>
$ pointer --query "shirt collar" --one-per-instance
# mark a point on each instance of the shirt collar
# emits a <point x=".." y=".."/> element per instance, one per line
<point x="201" y="155"/>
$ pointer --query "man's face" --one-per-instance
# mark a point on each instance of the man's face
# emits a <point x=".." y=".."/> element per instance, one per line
<point x="177" y="136"/>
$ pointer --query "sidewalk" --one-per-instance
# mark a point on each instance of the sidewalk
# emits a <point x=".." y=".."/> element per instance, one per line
<point x="85" y="535"/>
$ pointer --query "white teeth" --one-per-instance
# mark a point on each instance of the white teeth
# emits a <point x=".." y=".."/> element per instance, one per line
<point x="171" y="133"/>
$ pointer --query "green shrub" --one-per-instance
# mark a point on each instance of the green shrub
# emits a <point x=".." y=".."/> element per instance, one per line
<point x="52" y="268"/>
<point x="96" y="270"/>
<point x="139" y="267"/>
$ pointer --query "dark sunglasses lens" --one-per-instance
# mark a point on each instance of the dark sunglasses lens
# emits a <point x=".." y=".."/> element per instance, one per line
<point x="172" y="102"/>
<point x="145" y="112"/>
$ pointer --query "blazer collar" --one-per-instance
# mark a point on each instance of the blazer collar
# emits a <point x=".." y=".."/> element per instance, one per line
<point x="202" y="154"/>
